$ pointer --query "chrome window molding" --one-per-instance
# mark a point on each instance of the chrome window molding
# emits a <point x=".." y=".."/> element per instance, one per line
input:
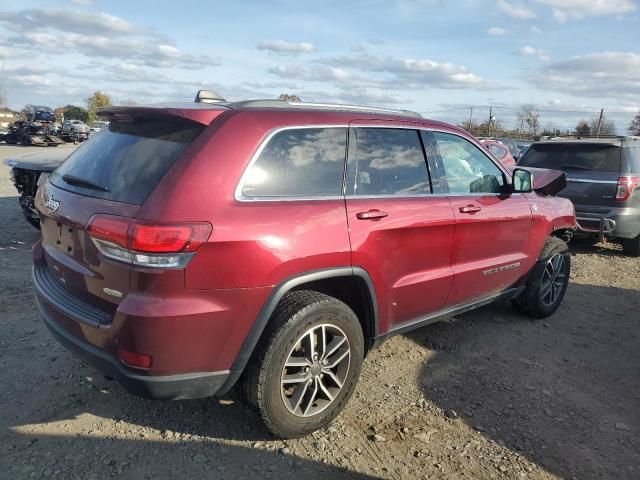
<point x="238" y="195"/>
<point x="584" y="180"/>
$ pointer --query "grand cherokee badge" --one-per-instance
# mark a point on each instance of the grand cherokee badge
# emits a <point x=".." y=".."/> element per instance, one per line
<point x="52" y="204"/>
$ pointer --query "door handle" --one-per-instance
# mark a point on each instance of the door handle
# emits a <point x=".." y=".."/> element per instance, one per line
<point x="372" y="214"/>
<point x="469" y="209"/>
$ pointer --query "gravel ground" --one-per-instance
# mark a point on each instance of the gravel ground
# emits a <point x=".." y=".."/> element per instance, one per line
<point x="489" y="395"/>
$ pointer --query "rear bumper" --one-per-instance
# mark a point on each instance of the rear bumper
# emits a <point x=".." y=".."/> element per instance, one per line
<point x="614" y="223"/>
<point x="160" y="387"/>
<point x="193" y="337"/>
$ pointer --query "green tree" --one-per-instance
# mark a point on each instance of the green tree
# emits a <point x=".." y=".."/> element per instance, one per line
<point x="634" y="126"/>
<point x="583" y="128"/>
<point x="96" y="101"/>
<point x="73" y="112"/>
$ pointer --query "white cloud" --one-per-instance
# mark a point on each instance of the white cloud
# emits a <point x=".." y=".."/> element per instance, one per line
<point x="517" y="11"/>
<point x="94" y="35"/>
<point x="66" y="20"/>
<point x="403" y="73"/>
<point x="83" y="3"/>
<point x="564" y="10"/>
<point x="529" y="51"/>
<point x="497" y="31"/>
<point x="599" y="75"/>
<point x="286" y="48"/>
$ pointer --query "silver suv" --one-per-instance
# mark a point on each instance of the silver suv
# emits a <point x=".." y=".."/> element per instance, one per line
<point x="603" y="175"/>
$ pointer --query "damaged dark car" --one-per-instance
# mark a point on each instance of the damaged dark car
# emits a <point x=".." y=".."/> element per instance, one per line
<point x="30" y="170"/>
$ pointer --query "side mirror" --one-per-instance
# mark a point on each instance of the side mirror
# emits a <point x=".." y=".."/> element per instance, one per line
<point x="522" y="181"/>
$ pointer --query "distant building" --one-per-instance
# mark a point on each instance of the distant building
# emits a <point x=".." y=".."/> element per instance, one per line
<point x="7" y="116"/>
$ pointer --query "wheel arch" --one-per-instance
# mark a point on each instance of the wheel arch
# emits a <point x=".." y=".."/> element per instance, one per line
<point x="337" y="282"/>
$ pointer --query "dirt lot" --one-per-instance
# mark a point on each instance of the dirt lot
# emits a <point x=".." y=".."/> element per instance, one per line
<point x="490" y="395"/>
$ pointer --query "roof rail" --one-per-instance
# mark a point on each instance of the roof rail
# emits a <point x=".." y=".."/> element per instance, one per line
<point x="268" y="103"/>
<point x="580" y="137"/>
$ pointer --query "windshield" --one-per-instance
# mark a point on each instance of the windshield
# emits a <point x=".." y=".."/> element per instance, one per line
<point x="123" y="162"/>
<point x="573" y="156"/>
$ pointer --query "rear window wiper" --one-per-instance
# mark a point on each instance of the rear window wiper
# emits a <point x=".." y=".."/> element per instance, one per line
<point x="575" y="167"/>
<point x="81" y="182"/>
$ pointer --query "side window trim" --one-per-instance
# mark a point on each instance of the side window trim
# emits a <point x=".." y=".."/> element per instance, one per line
<point x="434" y="162"/>
<point x="241" y="197"/>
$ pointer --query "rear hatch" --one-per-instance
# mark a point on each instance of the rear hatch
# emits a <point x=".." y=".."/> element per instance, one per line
<point x="112" y="173"/>
<point x="592" y="169"/>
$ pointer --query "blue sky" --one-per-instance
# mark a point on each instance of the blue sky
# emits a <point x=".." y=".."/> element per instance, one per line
<point x="568" y="57"/>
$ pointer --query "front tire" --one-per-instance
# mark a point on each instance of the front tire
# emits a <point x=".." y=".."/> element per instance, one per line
<point x="547" y="282"/>
<point x="306" y="365"/>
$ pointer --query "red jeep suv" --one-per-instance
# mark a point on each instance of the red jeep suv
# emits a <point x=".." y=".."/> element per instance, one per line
<point x="188" y="247"/>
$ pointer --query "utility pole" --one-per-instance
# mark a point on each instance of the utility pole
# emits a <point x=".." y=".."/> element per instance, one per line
<point x="600" y="121"/>
<point x="489" y="124"/>
<point x="470" y="117"/>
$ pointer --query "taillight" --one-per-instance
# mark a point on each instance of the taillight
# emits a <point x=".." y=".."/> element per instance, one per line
<point x="168" y="245"/>
<point x="626" y="186"/>
<point x="168" y="238"/>
<point x="110" y="229"/>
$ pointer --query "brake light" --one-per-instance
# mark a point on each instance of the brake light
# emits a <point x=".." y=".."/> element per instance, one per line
<point x="626" y="186"/>
<point x="147" y="244"/>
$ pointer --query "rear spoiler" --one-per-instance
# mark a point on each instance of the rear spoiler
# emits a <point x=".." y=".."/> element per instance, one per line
<point x="199" y="113"/>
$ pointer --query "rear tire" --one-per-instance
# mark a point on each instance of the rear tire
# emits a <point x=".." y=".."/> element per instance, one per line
<point x="306" y="365"/>
<point x="547" y="282"/>
<point x="631" y="246"/>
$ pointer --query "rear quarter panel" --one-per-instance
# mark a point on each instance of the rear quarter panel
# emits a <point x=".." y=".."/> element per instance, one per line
<point x="255" y="243"/>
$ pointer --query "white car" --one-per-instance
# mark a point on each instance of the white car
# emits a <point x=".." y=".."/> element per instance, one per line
<point x="95" y="128"/>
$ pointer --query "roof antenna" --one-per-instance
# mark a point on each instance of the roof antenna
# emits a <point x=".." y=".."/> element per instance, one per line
<point x="208" y="96"/>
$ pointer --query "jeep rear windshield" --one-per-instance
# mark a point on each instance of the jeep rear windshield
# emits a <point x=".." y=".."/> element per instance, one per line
<point x="573" y="156"/>
<point x="124" y="161"/>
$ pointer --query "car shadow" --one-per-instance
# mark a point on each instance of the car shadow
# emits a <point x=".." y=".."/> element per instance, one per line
<point x="93" y="457"/>
<point x="562" y="391"/>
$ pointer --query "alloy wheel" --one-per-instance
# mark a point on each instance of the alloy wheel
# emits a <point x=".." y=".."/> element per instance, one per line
<point x="553" y="279"/>
<point x="315" y="370"/>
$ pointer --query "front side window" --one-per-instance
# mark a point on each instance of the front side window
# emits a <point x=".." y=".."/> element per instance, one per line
<point x="386" y="161"/>
<point x="466" y="168"/>
<point x="303" y="162"/>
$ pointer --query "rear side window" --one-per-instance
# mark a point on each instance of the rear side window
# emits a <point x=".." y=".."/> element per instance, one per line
<point x="301" y="162"/>
<point x="386" y="161"/>
<point x="126" y="160"/>
<point x="573" y="156"/>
